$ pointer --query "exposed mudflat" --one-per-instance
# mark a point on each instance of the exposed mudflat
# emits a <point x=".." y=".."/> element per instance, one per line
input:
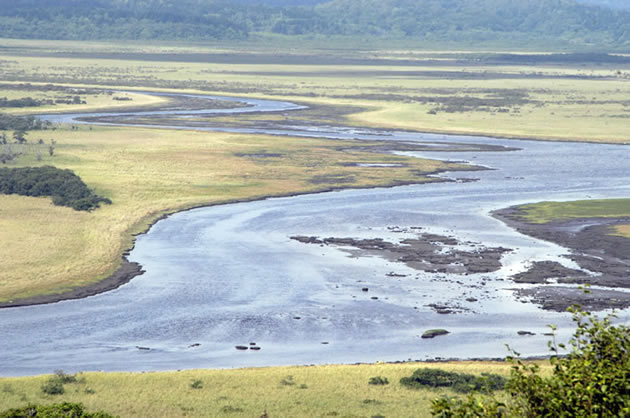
<point x="431" y="253"/>
<point x="603" y="260"/>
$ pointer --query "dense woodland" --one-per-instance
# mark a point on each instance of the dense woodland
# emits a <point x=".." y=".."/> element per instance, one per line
<point x="581" y="22"/>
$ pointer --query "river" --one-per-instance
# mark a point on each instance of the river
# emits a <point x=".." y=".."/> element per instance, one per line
<point x="229" y="275"/>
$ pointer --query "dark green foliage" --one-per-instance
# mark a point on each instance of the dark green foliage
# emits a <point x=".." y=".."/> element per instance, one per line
<point x="65" y="187"/>
<point x="22" y="102"/>
<point x="53" y="386"/>
<point x="63" y="377"/>
<point x="440" y="20"/>
<point x="196" y="384"/>
<point x="593" y="380"/>
<point x="459" y="382"/>
<point x="378" y="380"/>
<point x="60" y="410"/>
<point x="20" y="123"/>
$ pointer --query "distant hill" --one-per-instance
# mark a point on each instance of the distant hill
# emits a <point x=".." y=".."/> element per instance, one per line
<point x="508" y="21"/>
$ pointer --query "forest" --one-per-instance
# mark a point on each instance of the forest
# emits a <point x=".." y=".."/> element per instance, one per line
<point x="580" y="23"/>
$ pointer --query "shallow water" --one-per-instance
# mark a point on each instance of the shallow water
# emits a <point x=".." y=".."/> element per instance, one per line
<point x="229" y="275"/>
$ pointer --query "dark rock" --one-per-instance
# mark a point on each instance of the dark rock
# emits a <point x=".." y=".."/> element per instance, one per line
<point x="432" y="333"/>
<point x="241" y="347"/>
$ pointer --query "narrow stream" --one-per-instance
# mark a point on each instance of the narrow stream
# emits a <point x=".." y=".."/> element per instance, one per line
<point x="229" y="275"/>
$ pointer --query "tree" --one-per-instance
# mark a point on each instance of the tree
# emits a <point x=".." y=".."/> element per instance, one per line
<point x="592" y="380"/>
<point x="19" y="136"/>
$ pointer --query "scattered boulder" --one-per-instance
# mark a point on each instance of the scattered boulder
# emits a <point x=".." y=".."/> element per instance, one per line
<point x="432" y="333"/>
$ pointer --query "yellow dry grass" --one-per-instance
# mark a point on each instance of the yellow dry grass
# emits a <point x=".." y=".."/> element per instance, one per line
<point x="149" y="172"/>
<point x="567" y="103"/>
<point x="316" y="392"/>
<point x="623" y="230"/>
<point x="92" y="101"/>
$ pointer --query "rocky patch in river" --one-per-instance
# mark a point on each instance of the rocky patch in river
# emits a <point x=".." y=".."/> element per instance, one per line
<point x="426" y="252"/>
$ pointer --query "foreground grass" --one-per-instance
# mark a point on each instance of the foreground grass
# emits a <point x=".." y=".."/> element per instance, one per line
<point x="149" y="172"/>
<point x="545" y="212"/>
<point x="309" y="391"/>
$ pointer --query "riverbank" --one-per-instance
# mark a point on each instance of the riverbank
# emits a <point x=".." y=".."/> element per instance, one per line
<point x="602" y="255"/>
<point x="278" y="391"/>
<point x="148" y="173"/>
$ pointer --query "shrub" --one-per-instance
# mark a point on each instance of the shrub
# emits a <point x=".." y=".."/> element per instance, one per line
<point x="378" y="380"/>
<point x="592" y="380"/>
<point x="287" y="381"/>
<point x="66" y="409"/>
<point x="63" y="377"/>
<point x="53" y="387"/>
<point x="196" y="384"/>
<point x="459" y="382"/>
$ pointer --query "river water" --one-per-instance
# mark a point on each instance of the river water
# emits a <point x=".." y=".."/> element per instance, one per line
<point x="229" y="275"/>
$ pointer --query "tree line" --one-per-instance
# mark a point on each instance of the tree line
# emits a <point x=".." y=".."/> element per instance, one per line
<point x="443" y="20"/>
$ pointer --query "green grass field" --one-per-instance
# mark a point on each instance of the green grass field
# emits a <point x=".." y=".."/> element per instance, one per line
<point x="322" y="391"/>
<point x="545" y="212"/>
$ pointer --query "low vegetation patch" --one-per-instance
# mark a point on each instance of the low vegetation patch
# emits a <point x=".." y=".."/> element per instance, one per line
<point x="592" y="380"/>
<point x="544" y="212"/>
<point x="65" y="187"/>
<point x="378" y="381"/>
<point x="459" y="382"/>
<point x="65" y="409"/>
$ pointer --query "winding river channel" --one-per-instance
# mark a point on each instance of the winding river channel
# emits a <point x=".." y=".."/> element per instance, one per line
<point x="227" y="276"/>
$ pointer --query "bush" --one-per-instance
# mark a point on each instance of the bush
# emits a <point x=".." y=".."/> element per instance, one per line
<point x="63" y="377"/>
<point x="66" y="409"/>
<point x="65" y="187"/>
<point x="459" y="382"/>
<point x="196" y="384"/>
<point x="378" y="380"/>
<point x="592" y="380"/>
<point x="53" y="386"/>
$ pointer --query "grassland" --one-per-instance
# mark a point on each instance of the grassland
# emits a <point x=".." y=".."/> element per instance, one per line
<point x="280" y="391"/>
<point x="149" y="172"/>
<point x="545" y="212"/>
<point x="409" y="89"/>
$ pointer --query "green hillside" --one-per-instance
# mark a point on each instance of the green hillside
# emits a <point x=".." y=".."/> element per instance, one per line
<point x="559" y="21"/>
